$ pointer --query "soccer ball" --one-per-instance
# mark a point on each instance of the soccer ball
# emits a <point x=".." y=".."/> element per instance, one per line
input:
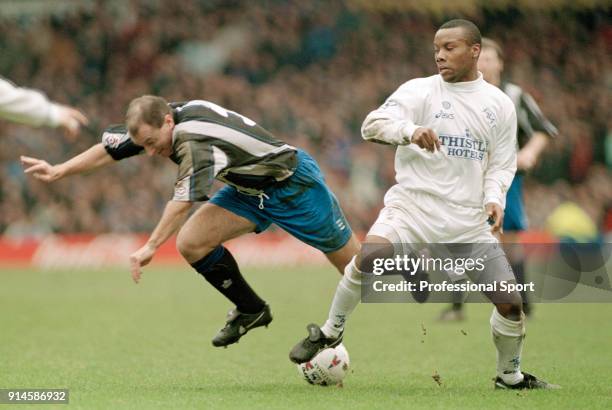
<point x="327" y="368"/>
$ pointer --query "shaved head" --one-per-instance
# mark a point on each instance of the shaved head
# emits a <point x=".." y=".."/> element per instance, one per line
<point x="472" y="33"/>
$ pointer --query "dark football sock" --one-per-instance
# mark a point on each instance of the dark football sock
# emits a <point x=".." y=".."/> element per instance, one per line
<point x="220" y="269"/>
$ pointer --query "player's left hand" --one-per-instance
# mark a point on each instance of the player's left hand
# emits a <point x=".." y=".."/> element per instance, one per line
<point x="140" y="258"/>
<point x="496" y="215"/>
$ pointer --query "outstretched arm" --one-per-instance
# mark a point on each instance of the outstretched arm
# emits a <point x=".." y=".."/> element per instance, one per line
<point x="33" y="108"/>
<point x="173" y="217"/>
<point x="116" y="145"/>
<point x="89" y="160"/>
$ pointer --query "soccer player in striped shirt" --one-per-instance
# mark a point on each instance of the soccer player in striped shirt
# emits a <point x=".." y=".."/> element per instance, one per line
<point x="267" y="181"/>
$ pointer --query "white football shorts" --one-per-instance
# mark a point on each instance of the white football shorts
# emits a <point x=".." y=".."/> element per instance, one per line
<point x="413" y="217"/>
<point x="419" y="217"/>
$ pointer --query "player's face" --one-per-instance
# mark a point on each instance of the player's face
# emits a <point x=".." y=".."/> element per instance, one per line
<point x="490" y="65"/>
<point x="455" y="58"/>
<point x="156" y="141"/>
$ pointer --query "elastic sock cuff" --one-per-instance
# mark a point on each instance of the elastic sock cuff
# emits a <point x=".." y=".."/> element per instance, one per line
<point x="506" y="327"/>
<point x="203" y="265"/>
<point x="352" y="273"/>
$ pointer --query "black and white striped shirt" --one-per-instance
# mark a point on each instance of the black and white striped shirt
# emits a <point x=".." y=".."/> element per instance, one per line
<point x="210" y="142"/>
<point x="529" y="115"/>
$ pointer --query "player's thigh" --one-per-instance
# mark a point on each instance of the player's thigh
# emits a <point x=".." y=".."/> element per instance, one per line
<point x="211" y="225"/>
<point x="394" y="232"/>
<point x="403" y="221"/>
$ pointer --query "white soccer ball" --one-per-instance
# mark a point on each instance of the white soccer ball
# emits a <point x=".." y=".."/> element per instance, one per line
<point x="328" y="368"/>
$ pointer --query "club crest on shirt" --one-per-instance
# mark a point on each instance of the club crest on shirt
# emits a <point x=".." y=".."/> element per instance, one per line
<point x="491" y="117"/>
<point x="111" y="140"/>
<point x="182" y="187"/>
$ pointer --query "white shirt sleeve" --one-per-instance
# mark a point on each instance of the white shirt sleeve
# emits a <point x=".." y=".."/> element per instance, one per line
<point x="502" y="160"/>
<point x="396" y="120"/>
<point x="26" y="106"/>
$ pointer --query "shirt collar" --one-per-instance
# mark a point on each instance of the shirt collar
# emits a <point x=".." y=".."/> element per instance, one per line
<point x="465" y="86"/>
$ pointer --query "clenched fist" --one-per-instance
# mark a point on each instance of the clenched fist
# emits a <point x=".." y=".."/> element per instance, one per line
<point x="426" y="138"/>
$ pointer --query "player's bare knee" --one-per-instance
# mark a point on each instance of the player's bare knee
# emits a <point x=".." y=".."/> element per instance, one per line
<point x="185" y="246"/>
<point x="193" y="249"/>
<point x="512" y="311"/>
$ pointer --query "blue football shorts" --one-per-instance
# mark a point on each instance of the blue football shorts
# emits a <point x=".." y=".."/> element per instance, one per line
<point x="302" y="205"/>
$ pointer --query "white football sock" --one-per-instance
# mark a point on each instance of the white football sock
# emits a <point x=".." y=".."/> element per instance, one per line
<point x="346" y="298"/>
<point x="508" y="336"/>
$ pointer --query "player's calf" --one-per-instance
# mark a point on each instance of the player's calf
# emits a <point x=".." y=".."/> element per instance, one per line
<point x="220" y="269"/>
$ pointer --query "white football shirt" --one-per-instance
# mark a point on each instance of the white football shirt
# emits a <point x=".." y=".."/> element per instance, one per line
<point x="476" y="124"/>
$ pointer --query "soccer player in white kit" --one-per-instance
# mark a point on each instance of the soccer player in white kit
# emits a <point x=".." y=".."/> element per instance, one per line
<point x="456" y="157"/>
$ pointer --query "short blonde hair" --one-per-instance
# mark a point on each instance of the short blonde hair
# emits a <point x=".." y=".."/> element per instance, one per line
<point x="489" y="43"/>
<point x="148" y="109"/>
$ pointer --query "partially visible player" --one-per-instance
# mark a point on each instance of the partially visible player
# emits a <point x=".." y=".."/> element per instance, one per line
<point x="31" y="107"/>
<point x="534" y="131"/>
<point x="267" y="181"/>
<point x="456" y="157"/>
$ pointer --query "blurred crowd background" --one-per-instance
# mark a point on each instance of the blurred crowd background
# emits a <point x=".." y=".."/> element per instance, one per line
<point x="309" y="71"/>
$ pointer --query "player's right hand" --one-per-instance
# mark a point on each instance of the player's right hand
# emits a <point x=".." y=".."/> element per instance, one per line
<point x="41" y="169"/>
<point x="426" y="138"/>
<point x="139" y="259"/>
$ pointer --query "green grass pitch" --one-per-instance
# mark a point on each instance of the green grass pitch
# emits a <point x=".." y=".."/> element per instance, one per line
<point x="119" y="345"/>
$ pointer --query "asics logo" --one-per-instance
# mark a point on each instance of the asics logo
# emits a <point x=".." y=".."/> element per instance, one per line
<point x="445" y="115"/>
